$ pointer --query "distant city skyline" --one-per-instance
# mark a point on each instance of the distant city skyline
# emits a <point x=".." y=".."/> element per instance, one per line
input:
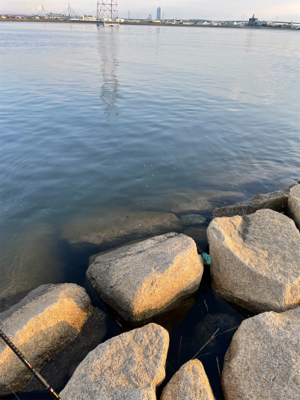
<point x="200" y="9"/>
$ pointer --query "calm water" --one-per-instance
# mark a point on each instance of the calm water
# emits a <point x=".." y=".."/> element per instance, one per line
<point x="95" y="119"/>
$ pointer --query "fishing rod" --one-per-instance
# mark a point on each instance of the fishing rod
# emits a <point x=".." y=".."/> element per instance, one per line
<point x="28" y="365"/>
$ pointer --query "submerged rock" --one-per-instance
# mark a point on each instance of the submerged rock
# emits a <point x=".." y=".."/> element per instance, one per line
<point x="222" y="326"/>
<point x="262" y="361"/>
<point x="277" y="201"/>
<point x="294" y="204"/>
<point x="143" y="279"/>
<point x="197" y="201"/>
<point x="30" y="259"/>
<point x="190" y="201"/>
<point x="199" y="235"/>
<point x="256" y="260"/>
<point x="192" y="219"/>
<point x="44" y="322"/>
<point x="116" y="227"/>
<point x="189" y="383"/>
<point x="127" y="367"/>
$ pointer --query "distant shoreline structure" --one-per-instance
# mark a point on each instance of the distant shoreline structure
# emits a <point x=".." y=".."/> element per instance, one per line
<point x="156" y="23"/>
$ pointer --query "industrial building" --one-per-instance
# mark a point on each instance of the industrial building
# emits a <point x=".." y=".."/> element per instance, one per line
<point x="253" y="21"/>
<point x="55" y="16"/>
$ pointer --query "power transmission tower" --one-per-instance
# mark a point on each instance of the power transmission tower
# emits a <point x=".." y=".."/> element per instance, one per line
<point x="107" y="10"/>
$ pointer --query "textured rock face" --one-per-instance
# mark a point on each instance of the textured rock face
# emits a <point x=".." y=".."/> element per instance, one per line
<point x="127" y="367"/>
<point x="45" y="321"/>
<point x="277" y="201"/>
<point x="112" y="229"/>
<point x="256" y="260"/>
<point x="143" y="279"/>
<point x="29" y="260"/>
<point x="262" y="361"/>
<point x="294" y="204"/>
<point x="189" y="383"/>
<point x="61" y="367"/>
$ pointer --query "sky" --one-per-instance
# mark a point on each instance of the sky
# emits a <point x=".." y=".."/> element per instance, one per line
<point x="288" y="10"/>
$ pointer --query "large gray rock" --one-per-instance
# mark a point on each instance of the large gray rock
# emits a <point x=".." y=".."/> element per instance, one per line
<point x="30" y="259"/>
<point x="44" y="322"/>
<point x="143" y="279"/>
<point x="256" y="260"/>
<point x="189" y="383"/>
<point x="277" y="201"/>
<point x="262" y="361"/>
<point x="294" y="204"/>
<point x="127" y="367"/>
<point x="116" y="227"/>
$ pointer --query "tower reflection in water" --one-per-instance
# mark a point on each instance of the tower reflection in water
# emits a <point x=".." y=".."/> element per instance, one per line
<point x="108" y="37"/>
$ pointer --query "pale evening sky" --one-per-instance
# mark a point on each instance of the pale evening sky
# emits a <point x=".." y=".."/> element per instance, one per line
<point x="288" y="10"/>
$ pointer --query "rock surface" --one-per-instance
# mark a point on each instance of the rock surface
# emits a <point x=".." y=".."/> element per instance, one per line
<point x="60" y="368"/>
<point x="143" y="279"/>
<point x="116" y="227"/>
<point x="189" y="383"/>
<point x="256" y="260"/>
<point x="192" y="219"/>
<point x="294" y="204"/>
<point x="127" y="367"/>
<point x="45" y="321"/>
<point x="32" y="258"/>
<point x="262" y="361"/>
<point x="277" y="201"/>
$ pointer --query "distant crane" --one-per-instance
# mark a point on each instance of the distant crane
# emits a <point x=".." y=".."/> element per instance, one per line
<point x="69" y="12"/>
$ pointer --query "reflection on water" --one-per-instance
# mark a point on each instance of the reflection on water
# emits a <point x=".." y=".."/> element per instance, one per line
<point x="108" y="49"/>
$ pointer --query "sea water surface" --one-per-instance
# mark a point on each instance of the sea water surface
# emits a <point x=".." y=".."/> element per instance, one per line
<point x="99" y="119"/>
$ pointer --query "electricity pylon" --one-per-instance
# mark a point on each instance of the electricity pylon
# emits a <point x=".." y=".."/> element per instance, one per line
<point x="107" y="10"/>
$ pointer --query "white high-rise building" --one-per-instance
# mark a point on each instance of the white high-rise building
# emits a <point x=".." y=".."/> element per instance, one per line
<point x="159" y="14"/>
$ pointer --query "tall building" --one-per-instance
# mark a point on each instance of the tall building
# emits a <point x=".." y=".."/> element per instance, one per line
<point x="159" y="14"/>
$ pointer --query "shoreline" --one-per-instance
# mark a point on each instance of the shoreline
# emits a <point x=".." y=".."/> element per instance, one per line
<point x="145" y="24"/>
